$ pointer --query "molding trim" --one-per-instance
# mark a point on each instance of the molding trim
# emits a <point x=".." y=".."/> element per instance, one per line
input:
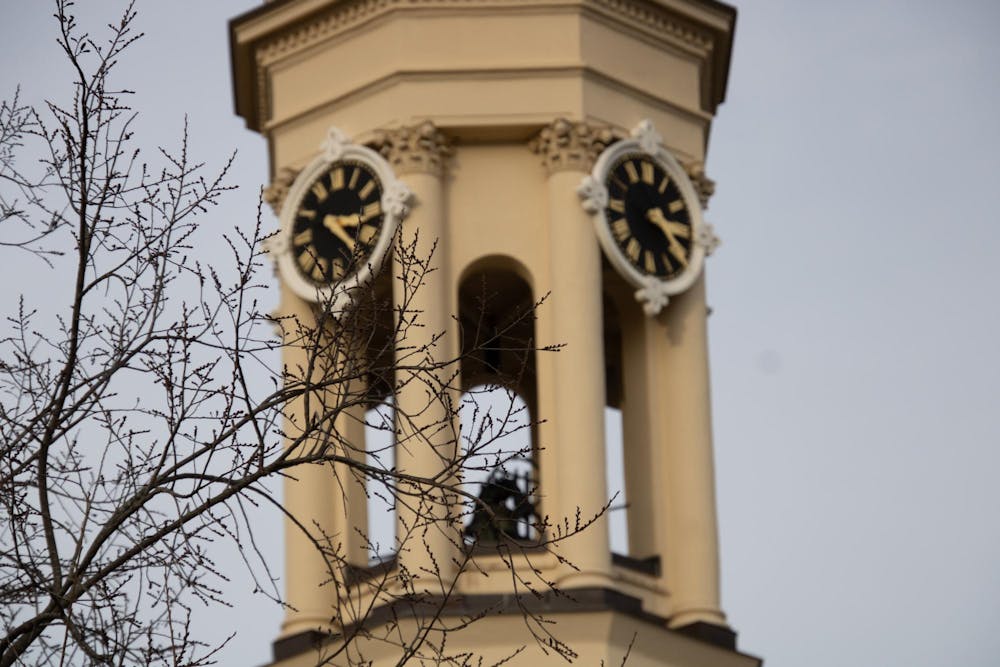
<point x="651" y="565"/>
<point x="718" y="635"/>
<point x="405" y="75"/>
<point x="578" y="600"/>
<point x="566" y="145"/>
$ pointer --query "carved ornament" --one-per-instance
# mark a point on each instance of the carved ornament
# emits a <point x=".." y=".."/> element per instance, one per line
<point x="413" y="149"/>
<point x="703" y="185"/>
<point x="342" y="16"/>
<point x="274" y="194"/>
<point x="573" y="146"/>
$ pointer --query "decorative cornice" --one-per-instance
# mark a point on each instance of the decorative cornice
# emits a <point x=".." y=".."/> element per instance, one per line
<point x="275" y="193"/>
<point x="654" y="17"/>
<point x="414" y="149"/>
<point x="703" y="185"/>
<point x="347" y="14"/>
<point x="657" y="21"/>
<point x="574" y="146"/>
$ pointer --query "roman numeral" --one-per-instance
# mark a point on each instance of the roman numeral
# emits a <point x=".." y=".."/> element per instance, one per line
<point x="319" y="190"/>
<point x="650" y="262"/>
<point x="321" y="270"/>
<point x="337" y="179"/>
<point x="620" y="229"/>
<point x="647" y="172"/>
<point x="633" y="173"/>
<point x="370" y="211"/>
<point x="675" y="205"/>
<point x="633" y="249"/>
<point x="366" y="190"/>
<point x="617" y="205"/>
<point x="354" y="178"/>
<point x="307" y="260"/>
<point x="303" y="238"/>
<point x="619" y="183"/>
<point x="663" y="184"/>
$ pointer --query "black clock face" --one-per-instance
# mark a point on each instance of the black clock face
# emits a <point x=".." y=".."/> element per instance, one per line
<point x="337" y="222"/>
<point x="648" y="217"/>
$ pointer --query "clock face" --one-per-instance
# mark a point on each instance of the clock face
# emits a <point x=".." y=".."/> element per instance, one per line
<point x="647" y="216"/>
<point x="337" y="222"/>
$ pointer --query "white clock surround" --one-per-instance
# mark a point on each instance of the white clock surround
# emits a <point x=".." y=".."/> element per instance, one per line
<point x="396" y="199"/>
<point x="652" y="292"/>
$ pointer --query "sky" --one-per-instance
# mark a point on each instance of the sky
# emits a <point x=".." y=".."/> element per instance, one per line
<point x="855" y="326"/>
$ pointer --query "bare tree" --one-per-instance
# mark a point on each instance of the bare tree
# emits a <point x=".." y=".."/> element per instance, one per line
<point x="141" y="414"/>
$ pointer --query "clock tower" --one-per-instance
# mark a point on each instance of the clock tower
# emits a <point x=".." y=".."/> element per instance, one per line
<point x="518" y="152"/>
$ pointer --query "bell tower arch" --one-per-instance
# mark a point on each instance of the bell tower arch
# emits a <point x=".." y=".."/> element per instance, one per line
<point x="498" y="127"/>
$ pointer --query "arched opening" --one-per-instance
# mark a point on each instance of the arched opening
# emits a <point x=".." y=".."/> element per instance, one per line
<point x="498" y="379"/>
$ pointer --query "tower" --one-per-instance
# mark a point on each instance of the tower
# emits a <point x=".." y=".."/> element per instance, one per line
<point x="496" y="135"/>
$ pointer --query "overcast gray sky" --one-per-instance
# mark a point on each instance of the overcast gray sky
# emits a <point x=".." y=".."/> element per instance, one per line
<point x="855" y="362"/>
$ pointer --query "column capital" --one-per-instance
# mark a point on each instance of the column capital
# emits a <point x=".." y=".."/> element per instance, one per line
<point x="566" y="145"/>
<point x="703" y="185"/>
<point x="275" y="193"/>
<point x="420" y="148"/>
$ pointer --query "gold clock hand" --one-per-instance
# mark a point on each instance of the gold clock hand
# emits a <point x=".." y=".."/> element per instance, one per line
<point x="679" y="229"/>
<point x="677" y="250"/>
<point x="669" y="227"/>
<point x="655" y="216"/>
<point x="332" y="223"/>
<point x="349" y="220"/>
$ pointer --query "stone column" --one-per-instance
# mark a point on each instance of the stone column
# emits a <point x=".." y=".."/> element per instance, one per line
<point x="571" y="381"/>
<point x="689" y="538"/>
<point x="309" y="489"/>
<point x="348" y="487"/>
<point x="426" y="401"/>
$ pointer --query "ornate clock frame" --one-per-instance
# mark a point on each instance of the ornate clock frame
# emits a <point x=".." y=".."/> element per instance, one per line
<point x="395" y="202"/>
<point x="652" y="292"/>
